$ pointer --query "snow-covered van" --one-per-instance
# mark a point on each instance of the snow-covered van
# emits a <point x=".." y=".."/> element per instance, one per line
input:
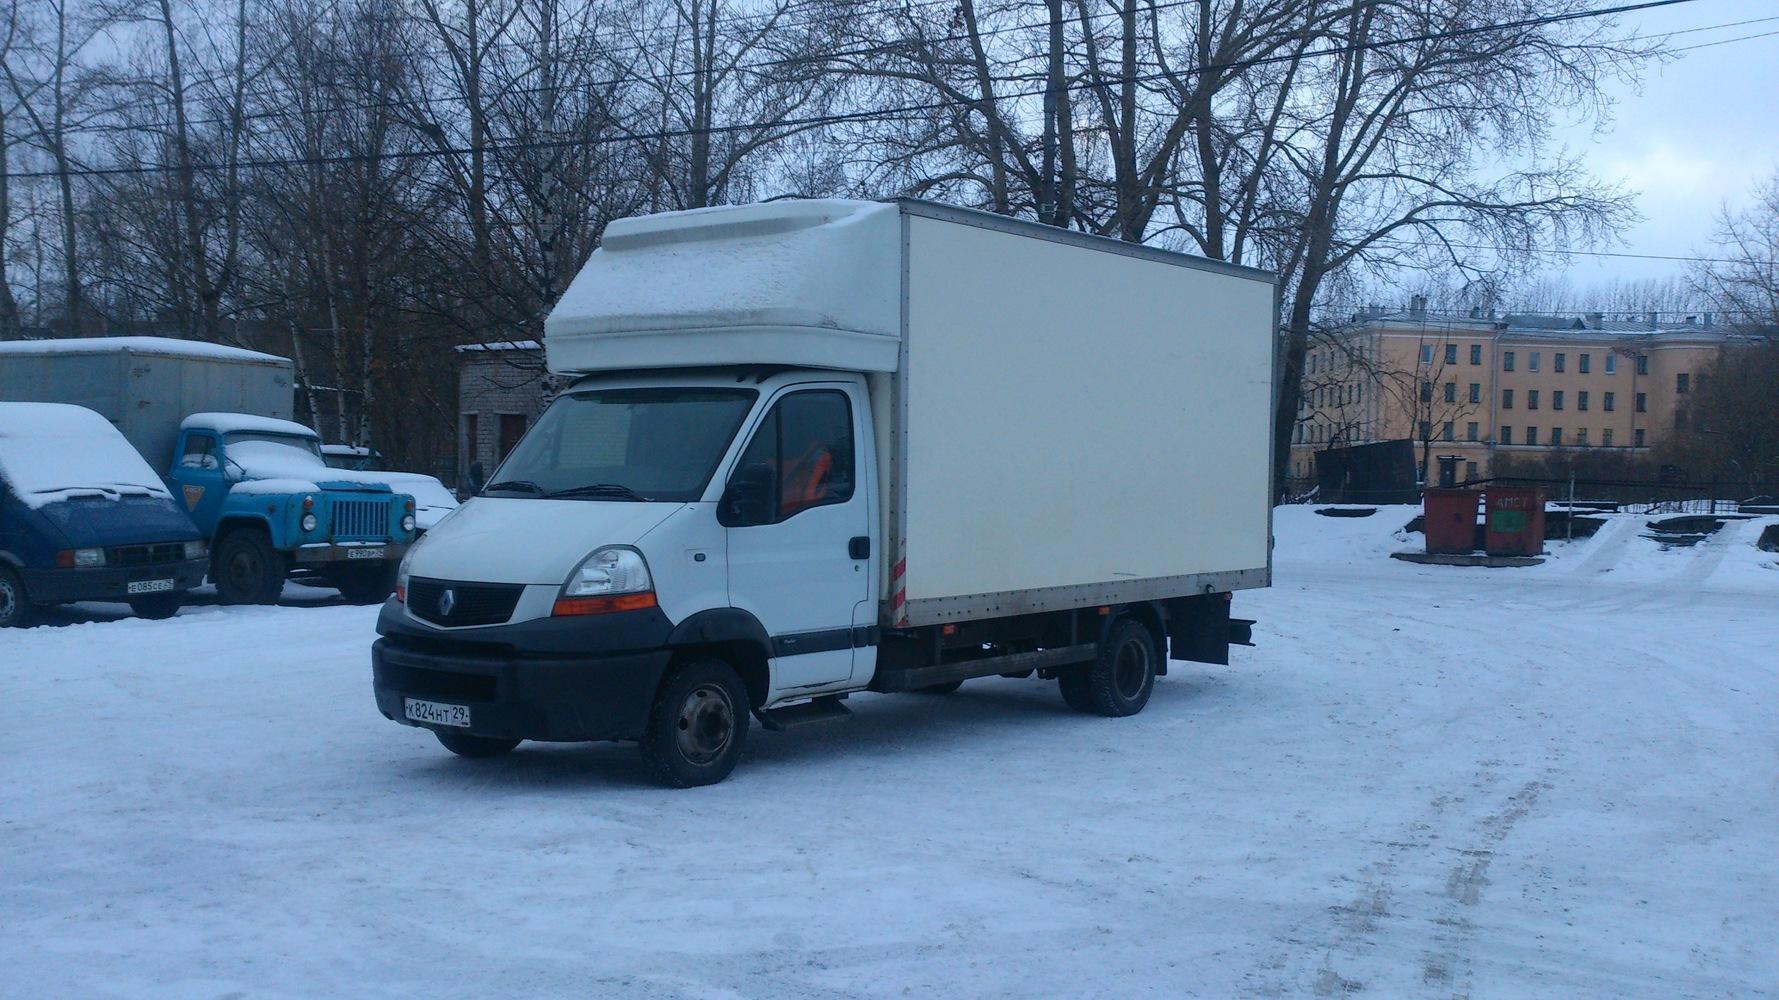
<point x="83" y="518"/>
<point x="216" y="419"/>
<point x="816" y="448"/>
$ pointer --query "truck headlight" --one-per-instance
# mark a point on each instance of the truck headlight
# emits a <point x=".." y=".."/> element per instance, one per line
<point x="401" y="575"/>
<point x="408" y="522"/>
<point x="614" y="578"/>
<point x="196" y="549"/>
<point x="309" y="522"/>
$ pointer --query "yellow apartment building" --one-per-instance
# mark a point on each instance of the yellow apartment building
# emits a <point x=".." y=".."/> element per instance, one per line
<point x="1477" y="386"/>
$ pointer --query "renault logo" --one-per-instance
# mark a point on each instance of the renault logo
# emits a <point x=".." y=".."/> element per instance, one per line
<point x="447" y="602"/>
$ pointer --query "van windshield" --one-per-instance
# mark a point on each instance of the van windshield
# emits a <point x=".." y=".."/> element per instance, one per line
<point x="624" y="444"/>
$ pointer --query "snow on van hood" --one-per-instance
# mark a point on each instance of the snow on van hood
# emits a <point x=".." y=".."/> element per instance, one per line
<point x="52" y="452"/>
<point x="513" y="540"/>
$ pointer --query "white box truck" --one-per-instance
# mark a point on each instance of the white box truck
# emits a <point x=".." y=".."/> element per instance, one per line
<point x="815" y="448"/>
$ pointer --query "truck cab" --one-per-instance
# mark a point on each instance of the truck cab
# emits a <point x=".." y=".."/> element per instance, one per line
<point x="259" y="489"/>
<point x="83" y="518"/>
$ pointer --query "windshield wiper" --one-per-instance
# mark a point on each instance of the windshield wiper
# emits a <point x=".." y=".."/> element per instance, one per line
<point x="515" y="486"/>
<point x="597" y="490"/>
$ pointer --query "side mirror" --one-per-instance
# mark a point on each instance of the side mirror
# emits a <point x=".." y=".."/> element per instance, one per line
<point x="748" y="498"/>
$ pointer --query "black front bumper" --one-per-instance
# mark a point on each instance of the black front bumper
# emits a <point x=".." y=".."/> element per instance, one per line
<point x="109" y="583"/>
<point x="551" y="679"/>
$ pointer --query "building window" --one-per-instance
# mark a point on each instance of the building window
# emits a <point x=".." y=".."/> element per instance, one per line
<point x="1558" y="360"/>
<point x="1700" y="381"/>
<point x="1426" y="391"/>
<point x="1426" y="431"/>
<point x="1611" y="363"/>
<point x="1476" y="392"/>
<point x="1643" y="364"/>
<point x="1531" y="399"/>
<point x="1556" y="399"/>
<point x="1506" y="435"/>
<point x="1556" y="437"/>
<point x="1507" y="399"/>
<point x="1680" y="420"/>
<point x="1581" y="437"/>
<point x="1507" y="361"/>
<point x="1299" y="439"/>
<point x="1532" y="360"/>
<point x="1586" y="363"/>
<point x="1476" y="355"/>
<point x="1637" y="438"/>
<point x="1531" y="435"/>
<point x="1451" y="392"/>
<point x="1469" y="472"/>
<point x="1682" y="382"/>
<point x="1451" y="354"/>
<point x="1426" y="354"/>
<point x="1606" y="438"/>
<point x="1642" y="402"/>
<point x="1470" y="430"/>
<point x="1609" y="402"/>
<point x="1446" y="434"/>
<point x="1581" y="399"/>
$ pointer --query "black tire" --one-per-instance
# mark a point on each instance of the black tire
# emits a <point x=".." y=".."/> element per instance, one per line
<point x="1075" y="691"/>
<point x="15" y="604"/>
<point x="946" y="688"/>
<point x="366" y="585"/>
<point x="157" y="606"/>
<point x="465" y="745"/>
<point x="1121" y="679"/>
<point x="698" y="725"/>
<point x="246" y="569"/>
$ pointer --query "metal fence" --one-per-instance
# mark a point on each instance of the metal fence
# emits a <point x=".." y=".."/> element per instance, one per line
<point x="1653" y="496"/>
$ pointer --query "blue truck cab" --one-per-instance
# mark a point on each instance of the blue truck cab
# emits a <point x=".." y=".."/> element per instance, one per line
<point x="83" y="518"/>
<point x="258" y="488"/>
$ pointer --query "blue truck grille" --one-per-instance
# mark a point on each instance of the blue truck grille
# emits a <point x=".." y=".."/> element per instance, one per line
<point x="360" y="519"/>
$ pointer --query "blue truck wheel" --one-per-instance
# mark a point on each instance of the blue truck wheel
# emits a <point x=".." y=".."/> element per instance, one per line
<point x="246" y="568"/>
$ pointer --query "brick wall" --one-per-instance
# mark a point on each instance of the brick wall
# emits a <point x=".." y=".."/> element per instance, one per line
<point x="493" y="383"/>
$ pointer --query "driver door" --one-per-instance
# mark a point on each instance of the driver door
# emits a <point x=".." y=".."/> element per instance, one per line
<point x="791" y="552"/>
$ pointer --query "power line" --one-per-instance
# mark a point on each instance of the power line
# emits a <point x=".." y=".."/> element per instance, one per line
<point x="846" y="117"/>
<point x="1438" y="244"/>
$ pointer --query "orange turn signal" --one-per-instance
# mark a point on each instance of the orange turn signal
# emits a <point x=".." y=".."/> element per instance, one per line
<point x="603" y="605"/>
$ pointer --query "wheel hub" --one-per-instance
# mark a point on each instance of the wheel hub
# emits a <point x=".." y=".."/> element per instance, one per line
<point x="1130" y="670"/>
<point x="705" y="724"/>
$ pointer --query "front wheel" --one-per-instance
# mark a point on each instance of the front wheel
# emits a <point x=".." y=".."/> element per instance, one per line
<point x="156" y="606"/>
<point x="15" y="606"/>
<point x="464" y="745"/>
<point x="698" y="725"/>
<point x="247" y="569"/>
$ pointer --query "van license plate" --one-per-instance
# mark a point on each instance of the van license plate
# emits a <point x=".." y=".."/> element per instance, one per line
<point x="362" y="553"/>
<point x="434" y="713"/>
<point x="148" y="586"/>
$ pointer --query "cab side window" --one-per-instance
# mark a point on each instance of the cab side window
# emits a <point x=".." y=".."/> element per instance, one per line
<point x="198" y="448"/>
<point x="801" y="457"/>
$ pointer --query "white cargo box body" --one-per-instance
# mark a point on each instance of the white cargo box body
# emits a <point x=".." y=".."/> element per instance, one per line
<point x="1062" y="420"/>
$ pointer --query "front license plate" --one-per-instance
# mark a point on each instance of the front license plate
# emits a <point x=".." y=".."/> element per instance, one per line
<point x="376" y="553"/>
<point x="436" y="714"/>
<point x="148" y="586"/>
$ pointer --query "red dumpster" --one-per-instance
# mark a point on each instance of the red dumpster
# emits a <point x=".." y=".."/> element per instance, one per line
<point x="1449" y="520"/>
<point x="1515" y="521"/>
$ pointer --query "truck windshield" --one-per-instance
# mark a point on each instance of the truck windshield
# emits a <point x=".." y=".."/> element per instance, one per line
<point x="624" y="444"/>
<point x="274" y="456"/>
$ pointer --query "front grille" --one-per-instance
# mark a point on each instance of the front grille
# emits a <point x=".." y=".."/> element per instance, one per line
<point x="145" y="555"/>
<point x="361" y="520"/>
<point x="428" y="683"/>
<point x="471" y="603"/>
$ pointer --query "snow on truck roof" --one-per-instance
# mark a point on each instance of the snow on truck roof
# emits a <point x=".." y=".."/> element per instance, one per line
<point x="165" y="346"/>
<point x="58" y="451"/>
<point x="235" y="423"/>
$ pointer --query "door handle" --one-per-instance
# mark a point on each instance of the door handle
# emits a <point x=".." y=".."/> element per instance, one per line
<point x="859" y="547"/>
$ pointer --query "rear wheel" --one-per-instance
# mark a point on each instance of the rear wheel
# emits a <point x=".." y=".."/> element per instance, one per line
<point x="246" y="568"/>
<point x="156" y="606"/>
<point x="1075" y="691"/>
<point x="15" y="606"/>
<point x="366" y="585"/>
<point x="698" y="725"/>
<point x="1120" y="681"/>
<point x="464" y="745"/>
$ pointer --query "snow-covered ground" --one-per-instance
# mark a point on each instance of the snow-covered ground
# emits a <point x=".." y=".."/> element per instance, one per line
<point x="1424" y="781"/>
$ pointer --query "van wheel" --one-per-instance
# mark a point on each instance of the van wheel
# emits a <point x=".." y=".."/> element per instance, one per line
<point x="366" y="586"/>
<point x="946" y="688"/>
<point x="464" y="745"/>
<point x="1121" y="679"/>
<point x="698" y="726"/>
<point x="156" y="606"/>
<point x="15" y="606"/>
<point x="246" y="568"/>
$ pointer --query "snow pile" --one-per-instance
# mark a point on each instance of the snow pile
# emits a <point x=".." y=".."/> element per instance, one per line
<point x="165" y="346"/>
<point x="54" y="451"/>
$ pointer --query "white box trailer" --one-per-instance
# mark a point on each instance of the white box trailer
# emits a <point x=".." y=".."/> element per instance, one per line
<point x="818" y="447"/>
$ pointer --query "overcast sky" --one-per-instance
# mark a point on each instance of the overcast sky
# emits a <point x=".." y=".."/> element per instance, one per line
<point x="1696" y="132"/>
